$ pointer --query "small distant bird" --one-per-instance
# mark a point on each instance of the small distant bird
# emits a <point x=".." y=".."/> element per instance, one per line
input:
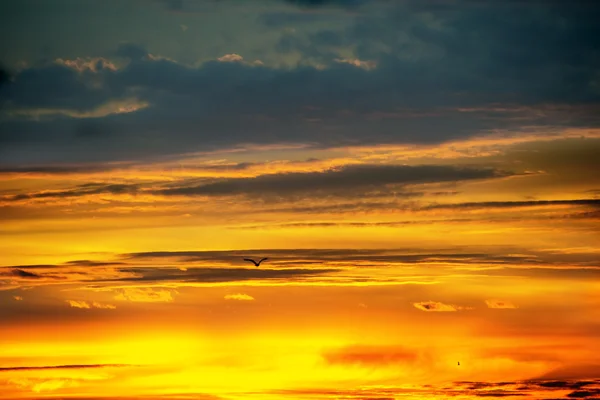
<point x="459" y="363"/>
<point x="254" y="262"/>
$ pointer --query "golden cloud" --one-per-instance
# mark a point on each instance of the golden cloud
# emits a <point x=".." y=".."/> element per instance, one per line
<point x="85" y="304"/>
<point x="239" y="296"/>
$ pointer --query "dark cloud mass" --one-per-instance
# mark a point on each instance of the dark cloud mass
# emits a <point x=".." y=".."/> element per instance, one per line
<point x="434" y="57"/>
<point x="515" y="204"/>
<point x="345" y="179"/>
<point x="82" y="190"/>
<point x="24" y="274"/>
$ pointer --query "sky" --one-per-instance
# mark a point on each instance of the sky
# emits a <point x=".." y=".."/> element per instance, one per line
<point x="422" y="177"/>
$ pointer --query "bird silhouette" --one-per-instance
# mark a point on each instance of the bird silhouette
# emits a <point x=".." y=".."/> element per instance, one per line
<point x="254" y="262"/>
<point x="459" y="363"/>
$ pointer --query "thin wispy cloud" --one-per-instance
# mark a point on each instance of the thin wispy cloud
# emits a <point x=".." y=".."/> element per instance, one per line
<point x="65" y="367"/>
<point x="85" y="304"/>
<point x="239" y="297"/>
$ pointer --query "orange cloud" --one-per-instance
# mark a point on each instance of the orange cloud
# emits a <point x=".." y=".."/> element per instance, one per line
<point x="437" y="306"/>
<point x="18" y="298"/>
<point x="494" y="303"/>
<point x="239" y="296"/>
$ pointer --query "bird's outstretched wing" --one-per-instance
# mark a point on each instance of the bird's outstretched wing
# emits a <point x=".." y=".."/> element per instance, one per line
<point x="262" y="260"/>
<point x="251" y="260"/>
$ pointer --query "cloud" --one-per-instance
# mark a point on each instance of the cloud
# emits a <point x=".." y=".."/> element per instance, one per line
<point x="344" y="179"/>
<point x="85" y="304"/>
<point x="579" y="394"/>
<point x="78" y="304"/>
<point x="231" y="58"/>
<point x="427" y="58"/>
<point x="239" y="296"/>
<point x="82" y="190"/>
<point x="18" y="298"/>
<point x="283" y="257"/>
<point x="55" y="169"/>
<point x="212" y="275"/>
<point x="514" y="204"/>
<point x="494" y="303"/>
<point x="5" y="76"/>
<point x="24" y="274"/>
<point x="437" y="306"/>
<point x="73" y="366"/>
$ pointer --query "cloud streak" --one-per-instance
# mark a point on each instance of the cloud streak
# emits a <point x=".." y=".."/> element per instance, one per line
<point x="239" y="297"/>
<point x="346" y="179"/>
<point x="436" y="306"/>
<point x="88" y="305"/>
<point x="66" y="367"/>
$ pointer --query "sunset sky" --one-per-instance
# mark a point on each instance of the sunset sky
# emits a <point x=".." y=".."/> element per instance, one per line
<point x="422" y="176"/>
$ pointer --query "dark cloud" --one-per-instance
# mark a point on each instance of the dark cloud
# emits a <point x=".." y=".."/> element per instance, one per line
<point x="280" y="257"/>
<point x="457" y="389"/>
<point x="581" y="394"/>
<point x="81" y="190"/>
<point x="356" y="181"/>
<point x="27" y="275"/>
<point x="212" y="275"/>
<point x="514" y="204"/>
<point x="24" y="274"/>
<point x="565" y="384"/>
<point x="34" y="266"/>
<point x="5" y="76"/>
<point x="55" y="169"/>
<point x="74" y="366"/>
<point x="132" y="51"/>
<point x="579" y="272"/>
<point x="429" y="58"/>
<point x="345" y="179"/>
<point x="90" y="263"/>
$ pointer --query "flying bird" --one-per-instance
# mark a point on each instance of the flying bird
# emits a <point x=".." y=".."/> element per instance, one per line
<point x="254" y="262"/>
<point x="459" y="363"/>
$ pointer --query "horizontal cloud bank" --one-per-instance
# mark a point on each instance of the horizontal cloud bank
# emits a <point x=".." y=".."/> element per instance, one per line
<point x="349" y="178"/>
